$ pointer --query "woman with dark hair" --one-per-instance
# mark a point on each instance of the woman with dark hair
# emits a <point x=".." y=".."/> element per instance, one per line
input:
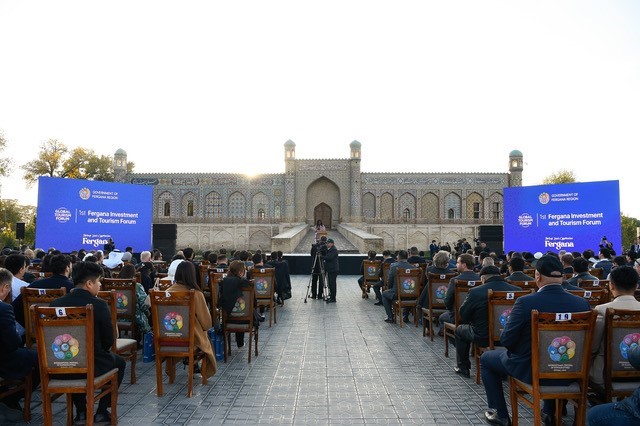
<point x="231" y="288"/>
<point x="185" y="280"/>
<point x="142" y="304"/>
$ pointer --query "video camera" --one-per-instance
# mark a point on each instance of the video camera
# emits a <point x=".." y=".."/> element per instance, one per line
<point x="321" y="247"/>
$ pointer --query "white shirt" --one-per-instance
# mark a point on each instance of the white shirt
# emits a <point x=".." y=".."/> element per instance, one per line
<point x="16" y="285"/>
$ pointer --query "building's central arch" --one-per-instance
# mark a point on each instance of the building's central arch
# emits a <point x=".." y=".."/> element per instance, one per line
<point x="323" y="198"/>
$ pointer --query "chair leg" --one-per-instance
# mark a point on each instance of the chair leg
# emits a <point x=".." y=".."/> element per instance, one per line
<point x="159" y="374"/>
<point x="203" y="369"/>
<point x="446" y="343"/>
<point x="256" y="333"/>
<point x="190" y="381"/>
<point x="134" y="358"/>
<point x="26" y="413"/>
<point x="275" y="314"/>
<point x="90" y="404"/>
<point x="514" y="402"/>
<point x="69" y="399"/>
<point x="226" y="343"/>
<point x="114" y="400"/>
<point x="476" y="355"/>
<point x="250" y="340"/>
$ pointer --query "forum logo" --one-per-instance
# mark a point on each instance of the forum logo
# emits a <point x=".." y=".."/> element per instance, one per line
<point x="62" y="214"/>
<point x="525" y="220"/>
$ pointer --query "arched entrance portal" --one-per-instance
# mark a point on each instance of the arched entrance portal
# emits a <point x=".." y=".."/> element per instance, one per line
<point x="323" y="213"/>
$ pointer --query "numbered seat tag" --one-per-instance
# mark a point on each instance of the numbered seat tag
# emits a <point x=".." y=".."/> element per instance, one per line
<point x="262" y="270"/>
<point x="442" y="277"/>
<point x="587" y="294"/>
<point x="61" y="312"/>
<point x="471" y="283"/>
<point x="167" y="294"/>
<point x="596" y="283"/>
<point x="42" y="292"/>
<point x="510" y="295"/>
<point x="563" y="316"/>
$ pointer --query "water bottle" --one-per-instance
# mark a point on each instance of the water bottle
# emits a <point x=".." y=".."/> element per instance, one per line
<point x="149" y="350"/>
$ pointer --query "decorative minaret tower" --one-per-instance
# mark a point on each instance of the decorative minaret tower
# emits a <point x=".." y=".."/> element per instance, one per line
<point x="356" y="184"/>
<point x="289" y="179"/>
<point x="120" y="165"/>
<point x="516" y="165"/>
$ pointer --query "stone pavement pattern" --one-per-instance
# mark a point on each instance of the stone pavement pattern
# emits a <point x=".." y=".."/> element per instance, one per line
<point x="321" y="364"/>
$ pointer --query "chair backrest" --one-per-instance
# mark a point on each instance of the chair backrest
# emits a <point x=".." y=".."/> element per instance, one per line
<point x="385" y="273"/>
<point x="110" y="299"/>
<point x="125" y="297"/>
<point x="65" y="341"/>
<point x="595" y="297"/>
<point x="438" y="285"/>
<point x="568" y="275"/>
<point x="423" y="269"/>
<point x="525" y="285"/>
<point x="215" y="276"/>
<point x="36" y="297"/>
<point x="622" y="332"/>
<point x="597" y="272"/>
<point x="264" y="282"/>
<point x="561" y="345"/>
<point x="461" y="289"/>
<point x="500" y="304"/>
<point x="203" y="270"/>
<point x="243" y="309"/>
<point x="408" y="283"/>
<point x="530" y="271"/>
<point x="41" y="275"/>
<point x="371" y="271"/>
<point x="173" y="315"/>
<point x="593" y="283"/>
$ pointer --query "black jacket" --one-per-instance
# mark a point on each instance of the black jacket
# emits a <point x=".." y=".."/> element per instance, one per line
<point x="51" y="283"/>
<point x="331" y="260"/>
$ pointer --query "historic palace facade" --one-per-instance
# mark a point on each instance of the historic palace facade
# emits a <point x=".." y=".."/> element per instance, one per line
<point x="237" y="211"/>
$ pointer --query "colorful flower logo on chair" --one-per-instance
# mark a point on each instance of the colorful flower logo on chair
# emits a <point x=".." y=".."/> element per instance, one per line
<point x="629" y="342"/>
<point x="173" y="321"/>
<point x="441" y="292"/>
<point x="240" y="306"/>
<point x="262" y="285"/>
<point x="562" y="349"/>
<point x="121" y="301"/>
<point x="372" y="270"/>
<point x="65" y="346"/>
<point x="408" y="284"/>
<point x="504" y="317"/>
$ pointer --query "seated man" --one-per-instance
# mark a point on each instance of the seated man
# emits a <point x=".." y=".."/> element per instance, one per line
<point x="464" y="266"/>
<point x="474" y="317"/>
<point x="567" y="263"/>
<point x="386" y="258"/>
<point x="60" y="266"/>
<point x="17" y="265"/>
<point x="391" y="294"/>
<point x="371" y="255"/>
<point x="16" y="362"/>
<point x="516" y="268"/>
<point x="516" y="337"/>
<point x="604" y="262"/>
<point x="580" y="268"/>
<point x="623" y="285"/>
<point x="414" y="256"/>
<point x="86" y="277"/>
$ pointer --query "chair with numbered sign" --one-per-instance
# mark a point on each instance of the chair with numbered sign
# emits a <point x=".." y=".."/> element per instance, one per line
<point x="264" y="283"/>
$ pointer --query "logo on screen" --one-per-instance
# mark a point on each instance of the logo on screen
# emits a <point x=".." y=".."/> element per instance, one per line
<point x="62" y="214"/>
<point x="544" y="198"/>
<point x="85" y="194"/>
<point x="525" y="220"/>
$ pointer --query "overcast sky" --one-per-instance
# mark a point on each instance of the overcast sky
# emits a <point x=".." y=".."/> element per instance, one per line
<point x="424" y="86"/>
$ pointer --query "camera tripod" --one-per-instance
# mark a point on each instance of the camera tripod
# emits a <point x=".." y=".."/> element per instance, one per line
<point x="322" y="276"/>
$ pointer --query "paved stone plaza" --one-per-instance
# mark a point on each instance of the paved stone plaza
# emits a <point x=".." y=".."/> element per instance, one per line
<point x="321" y="364"/>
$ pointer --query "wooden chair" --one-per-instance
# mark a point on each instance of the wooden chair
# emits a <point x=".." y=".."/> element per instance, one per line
<point x="240" y="320"/>
<point x="594" y="297"/>
<point x="125" y="302"/>
<point x="66" y="347"/>
<point x="385" y="275"/>
<point x="36" y="297"/>
<point x="461" y="290"/>
<point x="126" y="348"/>
<point x="408" y="288"/>
<point x="530" y="271"/>
<point x="560" y="349"/>
<point x="437" y="285"/>
<point x="500" y="303"/>
<point x="371" y="276"/>
<point x="589" y="284"/>
<point x="264" y="283"/>
<point x="203" y="270"/>
<point x="568" y="275"/>
<point x="214" y="291"/>
<point x="622" y="329"/>
<point x="174" y="316"/>
<point x="10" y="387"/>
<point x="525" y="285"/>
<point x="41" y="275"/>
<point x="597" y="272"/>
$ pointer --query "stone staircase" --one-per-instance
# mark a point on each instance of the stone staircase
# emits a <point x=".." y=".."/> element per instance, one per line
<point x="342" y="244"/>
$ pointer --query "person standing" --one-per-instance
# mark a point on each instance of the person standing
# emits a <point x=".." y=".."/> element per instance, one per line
<point x="331" y="268"/>
<point x="317" y="283"/>
<point x="433" y="248"/>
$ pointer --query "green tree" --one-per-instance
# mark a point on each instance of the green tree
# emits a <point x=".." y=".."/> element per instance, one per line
<point x="5" y="163"/>
<point x="55" y="159"/>
<point x="629" y="227"/>
<point x="562" y="176"/>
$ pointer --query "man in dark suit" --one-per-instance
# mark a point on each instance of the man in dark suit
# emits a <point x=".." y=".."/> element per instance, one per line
<point x="317" y="284"/>
<point x="464" y="266"/>
<point x="474" y="316"/>
<point x="86" y="277"/>
<point x="516" y="337"/>
<point x="331" y="268"/>
<point x="389" y="295"/>
<point x="386" y="258"/>
<point x="15" y="360"/>
<point x="433" y="248"/>
<point x="415" y="256"/>
<point x="60" y="266"/>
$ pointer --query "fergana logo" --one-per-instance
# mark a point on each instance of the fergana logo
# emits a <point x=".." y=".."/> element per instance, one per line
<point x="85" y="193"/>
<point x="544" y="198"/>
